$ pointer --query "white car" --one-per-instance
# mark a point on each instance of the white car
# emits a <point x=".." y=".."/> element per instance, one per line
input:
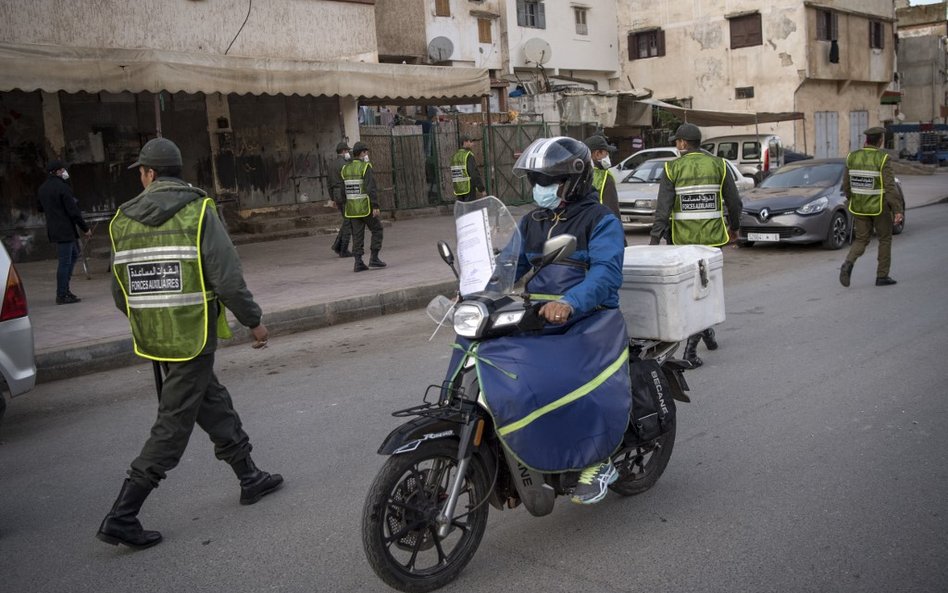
<point x="638" y="192"/>
<point x="17" y="362"/>
<point x="637" y="158"/>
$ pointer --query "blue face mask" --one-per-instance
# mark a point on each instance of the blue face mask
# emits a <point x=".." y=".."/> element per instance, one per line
<point x="545" y="196"/>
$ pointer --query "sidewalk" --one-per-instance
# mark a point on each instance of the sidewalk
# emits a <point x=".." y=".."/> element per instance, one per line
<point x="299" y="282"/>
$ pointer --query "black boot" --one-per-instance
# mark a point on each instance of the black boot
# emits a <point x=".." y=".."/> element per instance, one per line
<point x="375" y="262"/>
<point x="121" y="525"/>
<point x="691" y="351"/>
<point x="254" y="483"/>
<point x="708" y="337"/>
<point x="844" y="272"/>
<point x="359" y="265"/>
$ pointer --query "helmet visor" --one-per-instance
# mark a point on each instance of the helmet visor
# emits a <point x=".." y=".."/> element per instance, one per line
<point x="551" y="160"/>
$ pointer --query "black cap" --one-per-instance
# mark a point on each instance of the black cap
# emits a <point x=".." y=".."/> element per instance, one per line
<point x="689" y="132"/>
<point x="875" y="131"/>
<point x="55" y="165"/>
<point x="359" y="148"/>
<point x="468" y="138"/>
<point x="599" y="142"/>
<point x="158" y="152"/>
<point x="341" y="147"/>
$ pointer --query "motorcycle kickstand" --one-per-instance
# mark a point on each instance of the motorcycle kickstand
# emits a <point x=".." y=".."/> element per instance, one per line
<point x="464" y="456"/>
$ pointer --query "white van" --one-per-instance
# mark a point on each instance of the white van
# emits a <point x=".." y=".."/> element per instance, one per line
<point x="754" y="155"/>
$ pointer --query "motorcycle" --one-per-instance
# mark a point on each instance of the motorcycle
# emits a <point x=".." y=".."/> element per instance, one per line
<point x="426" y="511"/>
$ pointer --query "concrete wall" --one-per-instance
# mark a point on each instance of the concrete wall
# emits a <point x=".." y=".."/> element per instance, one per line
<point x="461" y="29"/>
<point x="291" y="29"/>
<point x="699" y="63"/>
<point x="401" y="29"/>
<point x="592" y="56"/>
<point x="923" y="62"/>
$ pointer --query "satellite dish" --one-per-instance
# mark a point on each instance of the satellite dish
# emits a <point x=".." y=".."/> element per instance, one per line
<point x="537" y="51"/>
<point x="440" y="49"/>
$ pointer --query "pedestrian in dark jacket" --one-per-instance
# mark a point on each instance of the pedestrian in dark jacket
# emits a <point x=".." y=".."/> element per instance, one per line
<point x="61" y="207"/>
<point x="337" y="193"/>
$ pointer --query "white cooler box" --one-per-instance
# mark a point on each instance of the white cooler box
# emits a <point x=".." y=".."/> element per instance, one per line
<point x="670" y="292"/>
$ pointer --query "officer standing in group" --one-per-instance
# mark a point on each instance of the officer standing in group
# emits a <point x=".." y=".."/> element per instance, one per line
<point x="870" y="188"/>
<point x="692" y="193"/>
<point x="465" y="176"/>
<point x="603" y="181"/>
<point x="174" y="270"/>
<point x="362" y="207"/>
<point x="337" y="193"/>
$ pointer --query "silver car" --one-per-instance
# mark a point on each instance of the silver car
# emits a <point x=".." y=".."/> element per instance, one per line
<point x="801" y="202"/>
<point x="17" y="363"/>
<point x="638" y="192"/>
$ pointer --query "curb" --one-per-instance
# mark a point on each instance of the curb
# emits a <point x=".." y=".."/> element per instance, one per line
<point x="116" y="353"/>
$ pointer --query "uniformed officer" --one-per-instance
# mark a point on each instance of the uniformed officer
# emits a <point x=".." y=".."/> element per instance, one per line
<point x="362" y="207"/>
<point x="692" y="194"/>
<point x="337" y="194"/>
<point x="465" y="177"/>
<point x="603" y="181"/>
<point x="873" y="203"/>
<point x="174" y="271"/>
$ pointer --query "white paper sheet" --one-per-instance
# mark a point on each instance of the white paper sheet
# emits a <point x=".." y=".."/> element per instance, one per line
<point x="475" y="252"/>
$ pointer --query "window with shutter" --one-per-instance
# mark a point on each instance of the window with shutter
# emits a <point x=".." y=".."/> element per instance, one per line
<point x="646" y="44"/>
<point x="746" y="31"/>
<point x="442" y="7"/>
<point x="483" y="31"/>
<point x="827" y="25"/>
<point x="531" y="13"/>
<point x="876" y="35"/>
<point x="581" y="27"/>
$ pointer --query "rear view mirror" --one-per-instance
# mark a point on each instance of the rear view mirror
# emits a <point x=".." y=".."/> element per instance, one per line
<point x="445" y="252"/>
<point x="557" y="249"/>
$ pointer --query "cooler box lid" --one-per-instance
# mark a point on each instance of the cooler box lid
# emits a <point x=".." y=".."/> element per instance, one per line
<point x="668" y="260"/>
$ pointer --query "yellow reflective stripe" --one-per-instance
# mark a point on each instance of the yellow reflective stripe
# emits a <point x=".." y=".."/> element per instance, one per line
<point x="546" y="297"/>
<point x="156" y="254"/>
<point x="569" y="397"/>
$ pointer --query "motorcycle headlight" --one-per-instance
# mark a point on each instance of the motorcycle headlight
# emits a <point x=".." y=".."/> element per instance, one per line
<point x="817" y="205"/>
<point x="469" y="319"/>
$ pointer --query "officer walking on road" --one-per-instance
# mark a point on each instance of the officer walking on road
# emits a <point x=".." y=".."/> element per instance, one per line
<point x="465" y="177"/>
<point x="874" y="203"/>
<point x="692" y="194"/>
<point x="174" y="270"/>
<point x="603" y="181"/>
<point x="362" y="207"/>
<point x="337" y="193"/>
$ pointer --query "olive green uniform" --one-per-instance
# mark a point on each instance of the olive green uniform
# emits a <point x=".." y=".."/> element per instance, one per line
<point x="605" y="185"/>
<point x="881" y="224"/>
<point x="191" y="392"/>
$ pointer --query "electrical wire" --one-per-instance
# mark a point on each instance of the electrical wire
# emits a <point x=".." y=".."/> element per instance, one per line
<point x="249" y="6"/>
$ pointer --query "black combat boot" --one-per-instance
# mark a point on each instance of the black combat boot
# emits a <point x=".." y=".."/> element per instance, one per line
<point x="708" y="337"/>
<point x="254" y="483"/>
<point x="359" y="265"/>
<point x="121" y="525"/>
<point x="375" y="262"/>
<point x="691" y="351"/>
<point x="844" y="273"/>
<point x="885" y="281"/>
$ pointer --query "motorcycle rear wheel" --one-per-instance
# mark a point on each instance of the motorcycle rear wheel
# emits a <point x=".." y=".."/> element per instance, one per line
<point x="640" y="467"/>
<point x="399" y="531"/>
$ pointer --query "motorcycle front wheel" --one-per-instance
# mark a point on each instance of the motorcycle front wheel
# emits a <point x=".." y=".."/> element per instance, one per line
<point x="399" y="528"/>
<point x="641" y="466"/>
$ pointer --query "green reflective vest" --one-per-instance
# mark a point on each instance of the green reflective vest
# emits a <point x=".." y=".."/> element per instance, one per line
<point x="698" y="212"/>
<point x="599" y="180"/>
<point x="358" y="204"/>
<point x="159" y="271"/>
<point x="459" y="175"/>
<point x="865" y="181"/>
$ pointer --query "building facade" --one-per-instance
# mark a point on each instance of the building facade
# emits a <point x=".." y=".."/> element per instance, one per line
<point x="257" y="96"/>
<point x="831" y="61"/>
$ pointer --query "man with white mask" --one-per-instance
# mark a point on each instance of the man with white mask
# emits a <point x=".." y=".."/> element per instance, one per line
<point x="602" y="180"/>
<point x="61" y="207"/>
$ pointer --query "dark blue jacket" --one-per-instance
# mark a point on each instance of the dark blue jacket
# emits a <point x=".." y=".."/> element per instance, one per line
<point x="591" y="277"/>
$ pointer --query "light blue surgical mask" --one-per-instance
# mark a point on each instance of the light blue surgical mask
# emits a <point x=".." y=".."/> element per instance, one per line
<point x="545" y="196"/>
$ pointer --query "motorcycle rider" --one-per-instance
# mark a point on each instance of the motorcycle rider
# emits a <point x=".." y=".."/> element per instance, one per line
<point x="560" y="171"/>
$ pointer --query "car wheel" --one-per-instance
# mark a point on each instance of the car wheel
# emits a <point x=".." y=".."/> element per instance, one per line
<point x="838" y="232"/>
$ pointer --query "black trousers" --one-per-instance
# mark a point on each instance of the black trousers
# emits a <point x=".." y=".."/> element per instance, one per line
<point x="343" y="236"/>
<point x="358" y="234"/>
<point x="190" y="394"/>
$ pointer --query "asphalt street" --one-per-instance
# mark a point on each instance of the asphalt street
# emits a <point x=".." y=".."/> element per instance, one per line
<point x="811" y="459"/>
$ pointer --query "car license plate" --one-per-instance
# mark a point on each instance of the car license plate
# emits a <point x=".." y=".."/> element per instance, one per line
<point x="763" y="237"/>
<point x="626" y="218"/>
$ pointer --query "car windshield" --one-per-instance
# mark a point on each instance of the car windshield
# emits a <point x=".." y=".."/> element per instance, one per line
<point x="824" y="175"/>
<point x="647" y="172"/>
